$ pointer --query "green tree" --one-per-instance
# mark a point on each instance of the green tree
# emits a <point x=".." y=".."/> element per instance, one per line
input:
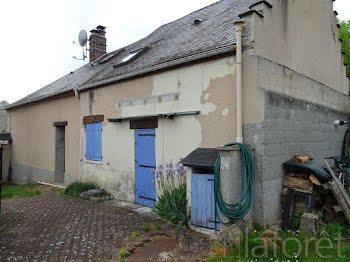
<point x="344" y="34"/>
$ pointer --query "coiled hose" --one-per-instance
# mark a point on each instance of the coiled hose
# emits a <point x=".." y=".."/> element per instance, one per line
<point x="240" y="209"/>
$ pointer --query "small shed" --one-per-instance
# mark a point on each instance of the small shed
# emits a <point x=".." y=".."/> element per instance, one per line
<point x="200" y="186"/>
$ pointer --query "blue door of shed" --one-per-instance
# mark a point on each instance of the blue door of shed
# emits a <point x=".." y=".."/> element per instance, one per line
<point x="202" y="201"/>
<point x="145" y="162"/>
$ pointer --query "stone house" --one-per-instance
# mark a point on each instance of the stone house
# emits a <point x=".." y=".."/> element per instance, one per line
<point x="158" y="99"/>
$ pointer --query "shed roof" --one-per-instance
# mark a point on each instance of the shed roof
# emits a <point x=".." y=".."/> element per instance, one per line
<point x="202" y="33"/>
<point x="202" y="158"/>
<point x="5" y="137"/>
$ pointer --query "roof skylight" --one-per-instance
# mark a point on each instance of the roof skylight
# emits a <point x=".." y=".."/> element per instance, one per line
<point x="107" y="57"/>
<point x="131" y="56"/>
<point x="128" y="57"/>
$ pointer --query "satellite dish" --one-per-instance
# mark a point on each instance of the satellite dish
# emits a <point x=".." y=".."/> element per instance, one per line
<point x="83" y="38"/>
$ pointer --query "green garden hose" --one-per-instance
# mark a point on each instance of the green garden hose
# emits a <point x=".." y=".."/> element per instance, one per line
<point x="240" y="209"/>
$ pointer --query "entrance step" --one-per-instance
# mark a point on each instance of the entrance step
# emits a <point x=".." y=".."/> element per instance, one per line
<point x="145" y="211"/>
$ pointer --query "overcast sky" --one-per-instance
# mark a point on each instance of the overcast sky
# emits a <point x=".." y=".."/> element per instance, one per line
<point x="36" y="36"/>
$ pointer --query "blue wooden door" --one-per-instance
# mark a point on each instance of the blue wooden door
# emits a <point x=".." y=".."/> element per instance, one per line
<point x="202" y="201"/>
<point x="145" y="162"/>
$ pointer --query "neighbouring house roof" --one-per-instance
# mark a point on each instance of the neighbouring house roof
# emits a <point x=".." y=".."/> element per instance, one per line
<point x="3" y="104"/>
<point x="203" y="33"/>
<point x="202" y="158"/>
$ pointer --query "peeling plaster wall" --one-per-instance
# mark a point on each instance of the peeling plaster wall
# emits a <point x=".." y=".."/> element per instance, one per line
<point x="33" y="134"/>
<point x="208" y="87"/>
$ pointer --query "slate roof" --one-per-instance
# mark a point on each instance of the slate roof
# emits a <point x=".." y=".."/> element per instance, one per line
<point x="201" y="158"/>
<point x="171" y="42"/>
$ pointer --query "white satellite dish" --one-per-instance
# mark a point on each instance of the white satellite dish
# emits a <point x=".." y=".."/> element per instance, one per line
<point x="82" y="38"/>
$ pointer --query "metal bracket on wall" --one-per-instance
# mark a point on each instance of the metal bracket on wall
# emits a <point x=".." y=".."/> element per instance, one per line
<point x="147" y="166"/>
<point x="147" y="198"/>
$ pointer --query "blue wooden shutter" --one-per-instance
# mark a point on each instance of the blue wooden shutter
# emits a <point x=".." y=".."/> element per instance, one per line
<point x="89" y="141"/>
<point x="94" y="141"/>
<point x="98" y="142"/>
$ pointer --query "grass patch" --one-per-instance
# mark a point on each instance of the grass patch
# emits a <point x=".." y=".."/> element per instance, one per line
<point x="296" y="248"/>
<point x="334" y="229"/>
<point x="157" y="226"/>
<point x="135" y="234"/>
<point x="76" y="188"/>
<point x="19" y="191"/>
<point x="146" y="227"/>
<point x="123" y="252"/>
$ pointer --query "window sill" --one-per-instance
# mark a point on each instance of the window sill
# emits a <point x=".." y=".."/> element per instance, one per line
<point x="93" y="162"/>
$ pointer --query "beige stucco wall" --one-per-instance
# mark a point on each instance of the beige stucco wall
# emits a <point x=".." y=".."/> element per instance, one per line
<point x="303" y="36"/>
<point x="33" y="134"/>
<point x="208" y="87"/>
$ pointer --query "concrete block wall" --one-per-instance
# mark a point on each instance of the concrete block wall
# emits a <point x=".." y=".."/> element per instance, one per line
<point x="290" y="127"/>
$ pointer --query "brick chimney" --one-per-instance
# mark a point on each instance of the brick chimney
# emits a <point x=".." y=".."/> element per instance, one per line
<point x="98" y="42"/>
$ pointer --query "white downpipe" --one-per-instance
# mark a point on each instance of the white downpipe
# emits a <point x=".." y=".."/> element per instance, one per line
<point x="239" y="25"/>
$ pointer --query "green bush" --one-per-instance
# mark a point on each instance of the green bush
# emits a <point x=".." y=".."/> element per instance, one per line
<point x="172" y="205"/>
<point x="76" y="188"/>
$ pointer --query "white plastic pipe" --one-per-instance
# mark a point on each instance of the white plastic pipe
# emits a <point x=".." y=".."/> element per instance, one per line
<point x="239" y="25"/>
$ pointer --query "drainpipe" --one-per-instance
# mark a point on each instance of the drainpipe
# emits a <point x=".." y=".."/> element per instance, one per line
<point x="76" y="91"/>
<point x="239" y="25"/>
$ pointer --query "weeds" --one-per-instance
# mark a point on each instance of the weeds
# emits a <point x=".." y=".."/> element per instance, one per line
<point x="135" y="234"/>
<point x="146" y="227"/>
<point x="123" y="253"/>
<point x="76" y="188"/>
<point x="334" y="229"/>
<point x="157" y="226"/>
<point x="295" y="222"/>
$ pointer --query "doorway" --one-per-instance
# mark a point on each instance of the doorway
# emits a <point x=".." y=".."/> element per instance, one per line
<point x="145" y="162"/>
<point x="60" y="155"/>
